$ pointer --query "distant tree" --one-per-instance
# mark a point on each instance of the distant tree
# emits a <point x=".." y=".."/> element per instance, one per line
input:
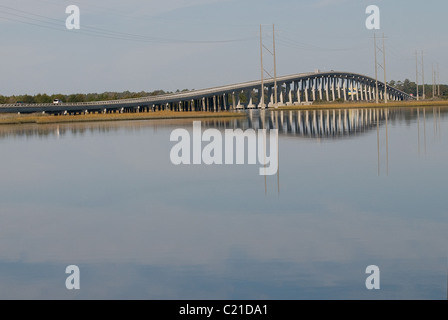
<point x="27" y="99"/>
<point x="42" y="98"/>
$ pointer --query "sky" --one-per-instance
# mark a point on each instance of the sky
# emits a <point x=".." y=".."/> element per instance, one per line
<point x="139" y="45"/>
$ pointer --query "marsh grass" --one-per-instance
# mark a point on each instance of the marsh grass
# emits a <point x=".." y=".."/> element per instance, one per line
<point x="47" y="119"/>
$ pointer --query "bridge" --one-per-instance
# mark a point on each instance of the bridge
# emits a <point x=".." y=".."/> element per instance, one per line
<point x="297" y="89"/>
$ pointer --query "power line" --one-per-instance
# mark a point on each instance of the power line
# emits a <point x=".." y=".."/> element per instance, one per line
<point x="55" y="24"/>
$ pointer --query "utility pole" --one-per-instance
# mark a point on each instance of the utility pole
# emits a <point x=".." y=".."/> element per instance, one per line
<point x="438" y="80"/>
<point x="433" y="88"/>
<point x="376" y="70"/>
<point x="423" y="76"/>
<point x="384" y="69"/>
<point x="275" y="67"/>
<point x="262" y="71"/>
<point x="416" y="72"/>
<point x="272" y="52"/>
<point x="383" y="66"/>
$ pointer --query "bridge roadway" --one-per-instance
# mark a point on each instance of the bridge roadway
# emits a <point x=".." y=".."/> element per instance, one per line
<point x="294" y="89"/>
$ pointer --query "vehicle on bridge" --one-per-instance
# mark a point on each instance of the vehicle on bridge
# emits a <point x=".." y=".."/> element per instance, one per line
<point x="57" y="101"/>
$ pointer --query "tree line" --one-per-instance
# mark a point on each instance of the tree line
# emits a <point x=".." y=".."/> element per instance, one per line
<point x="410" y="87"/>
<point x="80" y="97"/>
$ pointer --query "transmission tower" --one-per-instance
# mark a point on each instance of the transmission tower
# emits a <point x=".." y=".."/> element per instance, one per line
<point x="382" y="66"/>
<point x="264" y="71"/>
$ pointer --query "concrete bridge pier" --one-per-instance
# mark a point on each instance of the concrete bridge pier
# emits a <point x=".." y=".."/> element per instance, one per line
<point x="327" y="96"/>
<point x="344" y="90"/>
<point x="339" y="89"/>
<point x="280" y="101"/>
<point x="319" y="87"/>
<point x="289" y="103"/>
<point x="313" y="92"/>
<point x="352" y="86"/>
<point x="357" y="90"/>
<point x="298" y="91"/>
<point x="306" y="93"/>
<point x="332" y="88"/>
<point x="224" y="102"/>
<point x="239" y="105"/>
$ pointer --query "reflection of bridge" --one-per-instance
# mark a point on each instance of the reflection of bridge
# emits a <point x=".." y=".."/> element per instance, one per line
<point x="291" y="90"/>
<point x="311" y="123"/>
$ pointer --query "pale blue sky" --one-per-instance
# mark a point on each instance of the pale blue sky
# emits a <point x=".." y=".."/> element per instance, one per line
<point x="175" y="44"/>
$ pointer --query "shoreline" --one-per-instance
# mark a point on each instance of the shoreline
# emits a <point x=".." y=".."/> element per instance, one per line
<point x="18" y="119"/>
<point x="357" y="105"/>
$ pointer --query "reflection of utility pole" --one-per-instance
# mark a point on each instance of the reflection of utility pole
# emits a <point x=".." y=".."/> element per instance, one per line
<point x="418" y="128"/>
<point x="275" y="66"/>
<point x="387" y="145"/>
<point x="378" y="139"/>
<point x="424" y="127"/>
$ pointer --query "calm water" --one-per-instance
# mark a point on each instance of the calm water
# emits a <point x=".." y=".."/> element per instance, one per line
<point x="351" y="191"/>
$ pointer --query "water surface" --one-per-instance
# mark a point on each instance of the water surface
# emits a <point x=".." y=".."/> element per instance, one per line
<point x="354" y="188"/>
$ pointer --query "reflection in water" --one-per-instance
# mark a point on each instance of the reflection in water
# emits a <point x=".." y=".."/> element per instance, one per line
<point x="378" y="141"/>
<point x="424" y="127"/>
<point x="418" y="129"/>
<point x="387" y="144"/>
<point x="104" y="196"/>
<point x="319" y="124"/>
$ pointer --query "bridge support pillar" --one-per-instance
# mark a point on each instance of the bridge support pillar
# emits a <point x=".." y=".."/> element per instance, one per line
<point x="289" y="98"/>
<point x="352" y="89"/>
<point x="281" y="97"/>
<point x="319" y="88"/>
<point x="306" y="94"/>
<point x="333" y="84"/>
<point x="298" y="92"/>
<point x="224" y="101"/>
<point x="339" y="90"/>
<point x="344" y="90"/>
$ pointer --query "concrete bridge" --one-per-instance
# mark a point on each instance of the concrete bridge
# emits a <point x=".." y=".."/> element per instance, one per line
<point x="297" y="89"/>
